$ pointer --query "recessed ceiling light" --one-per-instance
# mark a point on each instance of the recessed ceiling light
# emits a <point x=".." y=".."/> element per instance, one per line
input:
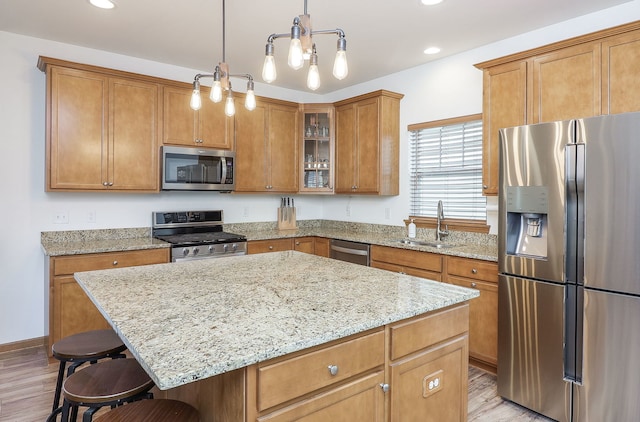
<point x="432" y="50"/>
<point x="103" y="4"/>
<point x="430" y="2"/>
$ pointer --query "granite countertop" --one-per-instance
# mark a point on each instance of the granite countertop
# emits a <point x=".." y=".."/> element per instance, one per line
<point x="192" y="320"/>
<point x="468" y="245"/>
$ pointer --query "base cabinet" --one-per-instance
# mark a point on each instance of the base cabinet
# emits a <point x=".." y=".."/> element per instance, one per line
<point x="269" y="245"/>
<point x="416" y="263"/>
<point x="70" y="310"/>
<point x="322" y="247"/>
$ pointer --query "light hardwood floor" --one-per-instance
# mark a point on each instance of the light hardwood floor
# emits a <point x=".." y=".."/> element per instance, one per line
<point x="27" y="383"/>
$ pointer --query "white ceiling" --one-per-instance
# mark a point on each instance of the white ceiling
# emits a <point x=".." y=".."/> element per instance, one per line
<point x="383" y="36"/>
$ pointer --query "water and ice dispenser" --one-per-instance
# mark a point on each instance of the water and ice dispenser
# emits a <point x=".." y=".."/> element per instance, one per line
<point x="527" y="209"/>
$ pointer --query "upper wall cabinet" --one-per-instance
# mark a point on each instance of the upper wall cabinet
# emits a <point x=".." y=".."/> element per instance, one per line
<point x="208" y="127"/>
<point x="267" y="147"/>
<point x="317" y="149"/>
<point x="367" y="144"/>
<point x="594" y="74"/>
<point x="101" y="129"/>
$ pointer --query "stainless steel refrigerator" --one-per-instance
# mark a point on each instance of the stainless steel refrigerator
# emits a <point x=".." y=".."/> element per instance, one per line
<point x="569" y="262"/>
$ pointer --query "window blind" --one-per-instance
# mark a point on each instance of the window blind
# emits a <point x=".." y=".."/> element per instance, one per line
<point x="446" y="164"/>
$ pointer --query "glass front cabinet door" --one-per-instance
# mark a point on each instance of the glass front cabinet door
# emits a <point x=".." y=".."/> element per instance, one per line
<point x="317" y="149"/>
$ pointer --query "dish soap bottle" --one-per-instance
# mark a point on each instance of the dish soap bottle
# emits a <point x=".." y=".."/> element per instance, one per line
<point x="412" y="229"/>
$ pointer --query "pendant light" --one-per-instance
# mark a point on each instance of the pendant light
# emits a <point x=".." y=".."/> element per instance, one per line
<point x="221" y="83"/>
<point x="301" y="48"/>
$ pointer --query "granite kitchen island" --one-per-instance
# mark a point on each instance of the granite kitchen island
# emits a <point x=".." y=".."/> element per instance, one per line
<point x="287" y="335"/>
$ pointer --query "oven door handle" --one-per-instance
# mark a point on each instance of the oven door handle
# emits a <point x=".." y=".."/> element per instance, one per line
<point x="349" y="250"/>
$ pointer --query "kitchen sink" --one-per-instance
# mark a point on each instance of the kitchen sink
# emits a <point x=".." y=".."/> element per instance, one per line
<point x="438" y="245"/>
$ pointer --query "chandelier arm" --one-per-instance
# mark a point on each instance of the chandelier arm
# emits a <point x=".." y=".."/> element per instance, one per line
<point x="203" y="75"/>
<point x="242" y="75"/>
<point x="337" y="31"/>
<point x="276" y="36"/>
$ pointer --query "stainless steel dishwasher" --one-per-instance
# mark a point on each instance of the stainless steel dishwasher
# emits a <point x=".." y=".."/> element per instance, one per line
<point x="354" y="252"/>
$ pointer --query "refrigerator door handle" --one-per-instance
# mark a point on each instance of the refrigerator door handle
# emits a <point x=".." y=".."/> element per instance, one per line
<point x="580" y="183"/>
<point x="571" y="216"/>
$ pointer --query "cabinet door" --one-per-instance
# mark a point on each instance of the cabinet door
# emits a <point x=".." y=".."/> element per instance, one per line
<point x="566" y="84"/>
<point x="620" y="71"/>
<point x="345" y="148"/>
<point x="304" y="244"/>
<point x="77" y="147"/>
<point x="483" y="319"/>
<point x="361" y="400"/>
<point x="251" y="148"/>
<point x="213" y="128"/>
<point x="322" y="246"/>
<point x="133" y="135"/>
<point x="73" y="311"/>
<point x="283" y="148"/>
<point x="431" y="385"/>
<point x="179" y="121"/>
<point x="504" y="105"/>
<point x="367" y="154"/>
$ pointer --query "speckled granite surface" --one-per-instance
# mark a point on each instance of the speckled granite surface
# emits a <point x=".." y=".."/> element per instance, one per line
<point x="192" y="320"/>
<point x="468" y="245"/>
<point x="74" y="242"/>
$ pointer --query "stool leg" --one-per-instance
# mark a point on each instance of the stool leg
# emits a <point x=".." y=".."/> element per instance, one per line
<point x="65" y="411"/>
<point x="56" y="397"/>
<point x="88" y="414"/>
<point x="74" y="413"/>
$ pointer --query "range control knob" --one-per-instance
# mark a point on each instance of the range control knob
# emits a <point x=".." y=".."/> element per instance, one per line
<point x="196" y="251"/>
<point x="185" y="251"/>
<point x="225" y="247"/>
<point x="234" y="247"/>
<point x="211" y="249"/>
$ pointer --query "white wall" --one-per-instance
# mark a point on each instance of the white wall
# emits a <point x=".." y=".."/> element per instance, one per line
<point x="446" y="88"/>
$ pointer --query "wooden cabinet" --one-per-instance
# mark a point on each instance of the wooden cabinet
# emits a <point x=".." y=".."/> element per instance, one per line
<point x="483" y="310"/>
<point x="270" y="245"/>
<point x="598" y="73"/>
<point x="322" y="247"/>
<point x="102" y="129"/>
<point x="504" y="105"/>
<point x="420" y="264"/>
<point x="208" y="127"/>
<point x="267" y="147"/>
<point x="367" y="144"/>
<point x="305" y="244"/>
<point x="429" y="367"/>
<point x="620" y="68"/>
<point x="317" y="149"/>
<point x="70" y="310"/>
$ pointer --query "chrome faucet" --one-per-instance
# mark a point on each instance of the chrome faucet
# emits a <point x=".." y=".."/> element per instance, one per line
<point x="441" y="233"/>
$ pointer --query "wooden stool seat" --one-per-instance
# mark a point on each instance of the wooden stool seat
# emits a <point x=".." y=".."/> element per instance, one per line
<point x="107" y="383"/>
<point x="77" y="349"/>
<point x="156" y="410"/>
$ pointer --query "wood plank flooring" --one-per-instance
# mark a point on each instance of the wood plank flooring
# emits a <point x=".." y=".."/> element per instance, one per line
<point x="27" y="383"/>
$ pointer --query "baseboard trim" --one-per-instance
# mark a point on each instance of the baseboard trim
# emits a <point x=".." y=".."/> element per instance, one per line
<point x="24" y="344"/>
<point x="483" y="365"/>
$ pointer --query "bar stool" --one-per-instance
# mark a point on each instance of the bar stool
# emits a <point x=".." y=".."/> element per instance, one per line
<point x="107" y="383"/>
<point x="77" y="349"/>
<point x="156" y="410"/>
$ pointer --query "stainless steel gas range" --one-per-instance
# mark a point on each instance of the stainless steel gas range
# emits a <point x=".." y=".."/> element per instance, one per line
<point x="197" y="235"/>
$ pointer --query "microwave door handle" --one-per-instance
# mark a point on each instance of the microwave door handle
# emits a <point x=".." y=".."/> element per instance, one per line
<point x="223" y="177"/>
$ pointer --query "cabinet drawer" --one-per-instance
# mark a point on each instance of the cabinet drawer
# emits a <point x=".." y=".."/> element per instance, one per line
<point x="421" y="332"/>
<point x="473" y="268"/>
<point x="101" y="261"/>
<point x="287" y="379"/>
<point x="431" y="275"/>
<point x="416" y="259"/>
<point x="271" y="245"/>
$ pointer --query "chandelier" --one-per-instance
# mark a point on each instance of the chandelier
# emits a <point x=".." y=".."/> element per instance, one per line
<point x="222" y="83"/>
<point x="301" y="48"/>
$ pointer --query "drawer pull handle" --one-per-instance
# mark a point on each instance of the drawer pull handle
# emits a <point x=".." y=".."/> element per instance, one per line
<point x="115" y="263"/>
<point x="333" y="369"/>
<point x="474" y="271"/>
<point x="473" y="284"/>
<point x="385" y="388"/>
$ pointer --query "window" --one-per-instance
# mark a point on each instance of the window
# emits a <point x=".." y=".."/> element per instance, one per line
<point x="446" y="164"/>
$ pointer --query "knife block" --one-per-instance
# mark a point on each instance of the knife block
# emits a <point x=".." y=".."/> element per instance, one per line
<point x="287" y="218"/>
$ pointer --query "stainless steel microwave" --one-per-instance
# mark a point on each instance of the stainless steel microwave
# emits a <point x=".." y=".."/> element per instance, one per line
<point x="185" y="168"/>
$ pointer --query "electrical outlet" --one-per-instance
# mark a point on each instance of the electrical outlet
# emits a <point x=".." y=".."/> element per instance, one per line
<point x="348" y="210"/>
<point x="91" y="217"/>
<point x="387" y="213"/>
<point x="245" y="212"/>
<point x="61" y="217"/>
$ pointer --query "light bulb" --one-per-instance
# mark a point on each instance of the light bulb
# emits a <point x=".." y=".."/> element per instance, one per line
<point x="196" y="101"/>
<point x="216" y="92"/>
<point x="340" y="67"/>
<point x="250" y="100"/>
<point x="295" y="59"/>
<point x="313" y="77"/>
<point x="229" y="106"/>
<point x="269" y="73"/>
